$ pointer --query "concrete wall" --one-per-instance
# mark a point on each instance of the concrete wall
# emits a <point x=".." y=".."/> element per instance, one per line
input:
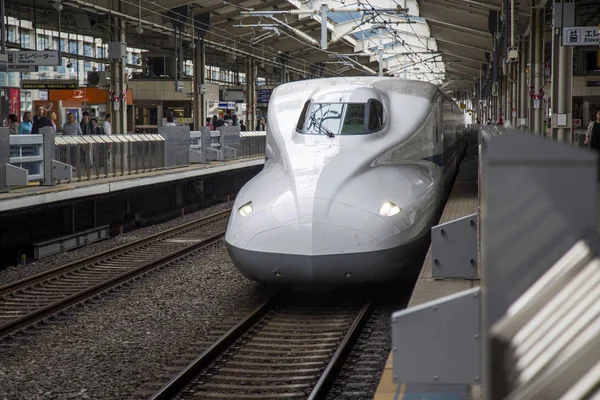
<point x="129" y="209"/>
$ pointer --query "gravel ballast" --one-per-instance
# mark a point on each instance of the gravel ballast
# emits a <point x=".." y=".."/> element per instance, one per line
<point x="110" y="348"/>
<point x="14" y="273"/>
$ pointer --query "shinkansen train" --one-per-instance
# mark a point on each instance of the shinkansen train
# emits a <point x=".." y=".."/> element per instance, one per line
<point x="355" y="172"/>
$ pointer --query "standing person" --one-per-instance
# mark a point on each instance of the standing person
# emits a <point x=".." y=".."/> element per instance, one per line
<point x="53" y="117"/>
<point x="86" y="128"/>
<point x="71" y="127"/>
<point x="242" y="126"/>
<point x="26" y="125"/>
<point x="95" y="128"/>
<point x="107" y="125"/>
<point x="42" y="122"/>
<point x="215" y="119"/>
<point x="13" y="124"/>
<point x="261" y="125"/>
<point x="39" y="113"/>
<point x="208" y="123"/>
<point x="592" y="135"/>
<point x="170" y="121"/>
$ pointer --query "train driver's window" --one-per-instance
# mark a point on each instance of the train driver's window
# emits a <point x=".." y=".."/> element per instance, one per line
<point x="302" y="118"/>
<point x="354" y="121"/>
<point x="375" y="115"/>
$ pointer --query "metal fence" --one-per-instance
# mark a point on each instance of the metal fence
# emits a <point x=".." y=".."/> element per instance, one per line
<point x="101" y="156"/>
<point x="225" y="144"/>
<point x="97" y="156"/>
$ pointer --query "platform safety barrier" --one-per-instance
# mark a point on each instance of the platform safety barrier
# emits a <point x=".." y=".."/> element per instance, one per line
<point x="225" y="144"/>
<point x="532" y="330"/>
<point x="24" y="159"/>
<point x="90" y="157"/>
<point x="101" y="156"/>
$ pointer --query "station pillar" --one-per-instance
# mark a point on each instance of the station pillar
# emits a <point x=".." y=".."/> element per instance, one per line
<point x="562" y="73"/>
<point x="199" y="83"/>
<point x="538" y="71"/>
<point x="523" y="97"/>
<point x="251" y="71"/>
<point x="118" y="85"/>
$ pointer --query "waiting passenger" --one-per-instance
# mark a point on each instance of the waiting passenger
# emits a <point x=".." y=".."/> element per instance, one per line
<point x="53" y="117"/>
<point x="71" y="128"/>
<point x="107" y="125"/>
<point x="39" y="113"/>
<point x="95" y="128"/>
<point x="592" y="135"/>
<point x="43" y="122"/>
<point x="170" y="121"/>
<point x="261" y="125"/>
<point x="26" y="125"/>
<point x="86" y="128"/>
<point x="13" y="124"/>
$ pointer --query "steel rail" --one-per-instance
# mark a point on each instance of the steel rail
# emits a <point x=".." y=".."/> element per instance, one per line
<point x="185" y="376"/>
<point x="31" y="280"/>
<point x="325" y="380"/>
<point x="61" y="304"/>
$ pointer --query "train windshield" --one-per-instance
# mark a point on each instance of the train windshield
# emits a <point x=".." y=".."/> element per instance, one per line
<point x="340" y="118"/>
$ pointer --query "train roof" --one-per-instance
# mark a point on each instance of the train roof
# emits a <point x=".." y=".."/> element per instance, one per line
<point x="357" y="89"/>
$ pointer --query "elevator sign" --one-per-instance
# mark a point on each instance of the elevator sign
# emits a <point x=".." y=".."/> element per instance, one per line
<point x="581" y="36"/>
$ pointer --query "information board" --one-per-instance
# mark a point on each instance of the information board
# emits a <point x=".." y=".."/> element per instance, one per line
<point x="49" y="84"/>
<point x="581" y="36"/>
<point x="34" y="58"/>
<point x="263" y="95"/>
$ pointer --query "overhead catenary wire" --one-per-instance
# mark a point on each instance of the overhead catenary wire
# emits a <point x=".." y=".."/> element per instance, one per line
<point x="193" y="24"/>
<point x="300" y="66"/>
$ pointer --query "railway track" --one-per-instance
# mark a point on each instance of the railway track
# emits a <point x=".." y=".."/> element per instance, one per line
<point x="31" y="299"/>
<point x="287" y="348"/>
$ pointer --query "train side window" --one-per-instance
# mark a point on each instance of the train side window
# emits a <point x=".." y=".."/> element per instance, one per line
<point x="375" y="122"/>
<point x="302" y="119"/>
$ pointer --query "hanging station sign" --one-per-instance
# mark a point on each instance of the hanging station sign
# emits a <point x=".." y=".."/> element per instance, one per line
<point x="581" y="36"/>
<point x="46" y="58"/>
<point x="49" y="84"/>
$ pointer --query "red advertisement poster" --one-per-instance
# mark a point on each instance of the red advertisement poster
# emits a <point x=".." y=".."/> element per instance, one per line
<point x="15" y="102"/>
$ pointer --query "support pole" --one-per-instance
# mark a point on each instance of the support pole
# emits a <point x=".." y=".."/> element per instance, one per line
<point x="565" y="99"/>
<point x="3" y="27"/>
<point x="117" y="77"/>
<point x="324" y="24"/>
<point x="562" y="103"/>
<point x="380" y="33"/>
<point x="199" y="82"/>
<point x="514" y="67"/>
<point x="531" y="83"/>
<point x="538" y="123"/>
<point x="523" y="98"/>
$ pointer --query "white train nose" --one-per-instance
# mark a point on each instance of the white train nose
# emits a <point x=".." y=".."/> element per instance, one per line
<point x="313" y="238"/>
<point x="332" y="250"/>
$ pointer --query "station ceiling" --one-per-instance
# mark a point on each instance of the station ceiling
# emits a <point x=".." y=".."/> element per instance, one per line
<point x="443" y="41"/>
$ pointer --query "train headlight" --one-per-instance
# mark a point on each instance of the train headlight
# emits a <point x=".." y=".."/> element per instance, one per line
<point x="246" y="209"/>
<point x="389" y="209"/>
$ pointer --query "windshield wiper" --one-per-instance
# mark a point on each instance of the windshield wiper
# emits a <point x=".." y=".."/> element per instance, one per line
<point x="321" y="127"/>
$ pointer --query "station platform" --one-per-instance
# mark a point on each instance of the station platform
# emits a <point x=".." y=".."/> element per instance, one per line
<point x="32" y="196"/>
<point x="463" y="201"/>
